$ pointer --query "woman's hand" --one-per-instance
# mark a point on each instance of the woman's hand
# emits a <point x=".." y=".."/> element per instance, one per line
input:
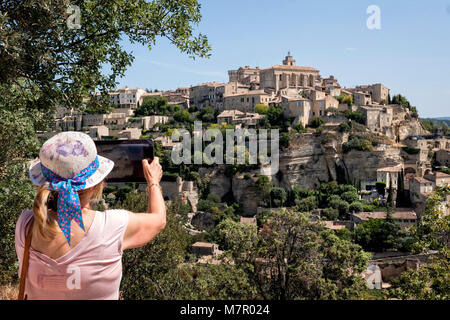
<point x="152" y="171"/>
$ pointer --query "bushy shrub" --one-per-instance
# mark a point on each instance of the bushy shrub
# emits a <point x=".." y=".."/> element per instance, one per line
<point x="278" y="196"/>
<point x="356" y="207"/>
<point x="167" y="176"/>
<point x="205" y="205"/>
<point x="330" y="214"/>
<point x="350" y="196"/>
<point x="316" y="122"/>
<point x="411" y="150"/>
<point x="307" y="204"/>
<point x="345" y="127"/>
<point x="214" y="198"/>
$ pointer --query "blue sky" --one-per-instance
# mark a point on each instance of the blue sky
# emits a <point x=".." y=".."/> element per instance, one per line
<point x="410" y="54"/>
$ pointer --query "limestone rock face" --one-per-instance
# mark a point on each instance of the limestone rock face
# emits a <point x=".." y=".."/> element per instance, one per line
<point x="310" y="161"/>
<point x="220" y="184"/>
<point x="203" y="221"/>
<point x="246" y="192"/>
<point x="306" y="163"/>
<point x="363" y="165"/>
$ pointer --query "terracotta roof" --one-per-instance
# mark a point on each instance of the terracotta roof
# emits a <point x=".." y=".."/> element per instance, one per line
<point x="204" y="244"/>
<point x="442" y="175"/>
<point x="286" y="67"/>
<point x="295" y="98"/>
<point x="230" y="113"/>
<point x="397" y="168"/>
<point x="332" y="226"/>
<point x="422" y="180"/>
<point x="248" y="93"/>
<point x="411" y="215"/>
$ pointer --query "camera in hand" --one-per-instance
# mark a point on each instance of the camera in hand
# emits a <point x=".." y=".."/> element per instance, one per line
<point x="127" y="156"/>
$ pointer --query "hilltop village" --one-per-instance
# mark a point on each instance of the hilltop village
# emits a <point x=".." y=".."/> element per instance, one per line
<point x="348" y="155"/>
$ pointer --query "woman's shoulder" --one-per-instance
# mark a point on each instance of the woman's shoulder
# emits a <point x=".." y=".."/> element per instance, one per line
<point x="21" y="224"/>
<point x="115" y="217"/>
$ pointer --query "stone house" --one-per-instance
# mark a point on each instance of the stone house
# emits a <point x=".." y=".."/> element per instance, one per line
<point x="129" y="133"/>
<point x="403" y="218"/>
<point x="439" y="179"/>
<point x="361" y="98"/>
<point x="420" y="189"/>
<point x="97" y="132"/>
<point x="236" y="117"/>
<point x="297" y="107"/>
<point x="247" y="101"/>
<point x="245" y="75"/>
<point x="212" y="94"/>
<point x="377" y="118"/>
<point x="443" y="157"/>
<point x="204" y="248"/>
<point x="389" y="173"/>
<point x="378" y="92"/>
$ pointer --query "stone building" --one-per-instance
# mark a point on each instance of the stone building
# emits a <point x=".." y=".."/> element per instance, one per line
<point x="97" y="132"/>
<point x="297" y="107"/>
<point x="244" y="75"/>
<point x="443" y="157"/>
<point x="377" y="118"/>
<point x="439" y="179"/>
<point x="419" y="189"/>
<point x="404" y="218"/>
<point x="212" y="94"/>
<point x="236" y="117"/>
<point x="246" y="101"/>
<point x="389" y="174"/>
<point x="204" y="248"/>
<point x="361" y="98"/>
<point x="378" y="92"/>
<point x="289" y="75"/>
<point x="125" y="98"/>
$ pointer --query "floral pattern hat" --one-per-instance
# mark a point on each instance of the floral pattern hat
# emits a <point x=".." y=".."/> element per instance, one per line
<point x="69" y="162"/>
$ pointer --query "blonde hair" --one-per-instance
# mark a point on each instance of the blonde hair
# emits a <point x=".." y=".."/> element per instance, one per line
<point x="45" y="224"/>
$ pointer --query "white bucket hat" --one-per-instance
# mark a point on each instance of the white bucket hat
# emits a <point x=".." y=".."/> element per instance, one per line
<point x="67" y="154"/>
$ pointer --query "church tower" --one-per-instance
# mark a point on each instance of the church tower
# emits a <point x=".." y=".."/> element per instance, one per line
<point x="289" y="61"/>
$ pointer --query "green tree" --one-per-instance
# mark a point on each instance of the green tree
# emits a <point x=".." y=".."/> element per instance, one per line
<point x="378" y="235"/>
<point x="350" y="196"/>
<point x="345" y="99"/>
<point x="278" y="196"/>
<point x="401" y="100"/>
<point x="381" y="188"/>
<point x="307" y="204"/>
<point x="154" y="105"/>
<point x="316" y="122"/>
<point x="183" y="116"/>
<point x="390" y="198"/>
<point x="291" y="257"/>
<point x="265" y="186"/>
<point x="262" y="109"/>
<point x="275" y="116"/>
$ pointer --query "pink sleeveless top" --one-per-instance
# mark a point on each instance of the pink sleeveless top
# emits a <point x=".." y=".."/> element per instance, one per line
<point x="90" y="270"/>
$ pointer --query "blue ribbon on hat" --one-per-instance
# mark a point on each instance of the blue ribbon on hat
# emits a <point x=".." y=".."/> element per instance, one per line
<point x="69" y="206"/>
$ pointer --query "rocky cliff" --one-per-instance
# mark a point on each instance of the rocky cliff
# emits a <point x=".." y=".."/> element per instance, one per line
<point x="311" y="160"/>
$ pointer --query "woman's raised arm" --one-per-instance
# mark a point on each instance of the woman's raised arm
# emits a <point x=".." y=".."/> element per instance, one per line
<point x="143" y="227"/>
